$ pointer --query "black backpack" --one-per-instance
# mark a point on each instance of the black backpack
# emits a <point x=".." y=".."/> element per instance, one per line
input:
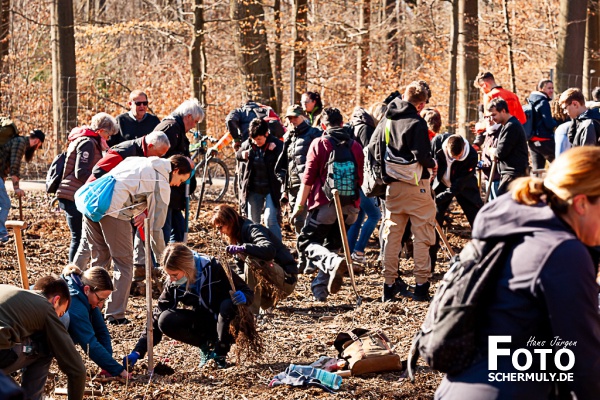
<point x="55" y="173"/>
<point x="342" y="172"/>
<point x="447" y="340"/>
<point x="531" y="124"/>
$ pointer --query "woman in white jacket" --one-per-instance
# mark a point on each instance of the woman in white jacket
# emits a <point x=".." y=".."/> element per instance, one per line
<point x="140" y="184"/>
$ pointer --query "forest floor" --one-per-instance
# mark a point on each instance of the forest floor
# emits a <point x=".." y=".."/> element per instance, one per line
<point x="298" y="331"/>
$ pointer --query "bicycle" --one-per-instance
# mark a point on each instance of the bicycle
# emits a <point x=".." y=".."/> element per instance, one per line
<point x="217" y="174"/>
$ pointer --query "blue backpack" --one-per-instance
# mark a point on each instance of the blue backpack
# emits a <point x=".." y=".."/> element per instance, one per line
<point x="530" y="126"/>
<point x="93" y="199"/>
<point x="342" y="172"/>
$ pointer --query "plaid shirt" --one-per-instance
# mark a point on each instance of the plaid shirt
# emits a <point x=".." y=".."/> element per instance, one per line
<point x="11" y="154"/>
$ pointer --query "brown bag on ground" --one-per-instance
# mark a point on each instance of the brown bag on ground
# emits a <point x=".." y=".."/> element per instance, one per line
<point x="367" y="351"/>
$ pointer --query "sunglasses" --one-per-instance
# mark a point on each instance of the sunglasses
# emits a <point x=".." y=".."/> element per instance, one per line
<point x="141" y="103"/>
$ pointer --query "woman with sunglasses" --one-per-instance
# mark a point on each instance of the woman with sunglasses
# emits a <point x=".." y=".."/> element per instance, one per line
<point x="263" y="255"/>
<point x="85" y="323"/>
<point x="199" y="282"/>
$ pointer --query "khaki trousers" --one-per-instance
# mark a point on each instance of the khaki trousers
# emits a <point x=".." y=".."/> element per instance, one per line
<point x="405" y="201"/>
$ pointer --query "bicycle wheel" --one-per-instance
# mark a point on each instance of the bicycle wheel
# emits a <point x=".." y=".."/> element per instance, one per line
<point x="217" y="179"/>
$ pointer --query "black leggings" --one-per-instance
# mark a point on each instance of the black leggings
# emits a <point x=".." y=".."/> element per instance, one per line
<point x="198" y="327"/>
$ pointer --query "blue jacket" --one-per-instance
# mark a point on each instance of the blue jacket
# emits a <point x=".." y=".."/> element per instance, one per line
<point x="545" y="124"/>
<point x="88" y="329"/>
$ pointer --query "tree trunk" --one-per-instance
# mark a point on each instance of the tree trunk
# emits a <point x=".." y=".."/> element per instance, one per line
<point x="278" y="57"/>
<point x="392" y="15"/>
<point x="468" y="66"/>
<point x="571" y="43"/>
<point x="362" y="53"/>
<point x="591" y="62"/>
<point x="198" y="58"/>
<point x="252" y="51"/>
<point x="64" y="76"/>
<point x="4" y="30"/>
<point x="453" y="77"/>
<point x="509" y="46"/>
<point x="299" y="58"/>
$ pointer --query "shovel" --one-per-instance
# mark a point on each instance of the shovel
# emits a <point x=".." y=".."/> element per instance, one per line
<point x="340" y="218"/>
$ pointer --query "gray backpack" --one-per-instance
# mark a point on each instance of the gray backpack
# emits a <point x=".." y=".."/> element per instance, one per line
<point x="447" y="340"/>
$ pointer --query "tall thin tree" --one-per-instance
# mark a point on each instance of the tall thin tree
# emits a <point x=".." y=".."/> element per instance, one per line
<point x="468" y="65"/>
<point x="198" y="57"/>
<point x="4" y="30"/>
<point x="571" y="43"/>
<point x="299" y="57"/>
<point x="591" y="61"/>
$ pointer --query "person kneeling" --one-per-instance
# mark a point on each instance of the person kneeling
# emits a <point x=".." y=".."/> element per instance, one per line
<point x="200" y="282"/>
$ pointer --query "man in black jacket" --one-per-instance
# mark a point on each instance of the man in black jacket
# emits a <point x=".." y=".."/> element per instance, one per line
<point x="404" y="142"/>
<point x="135" y="123"/>
<point x="511" y="153"/>
<point x="175" y="126"/>
<point x="541" y="145"/>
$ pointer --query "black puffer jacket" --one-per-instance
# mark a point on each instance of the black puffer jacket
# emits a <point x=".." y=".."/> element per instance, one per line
<point x="363" y="126"/>
<point x="293" y="158"/>
<point x="275" y="176"/>
<point x="261" y="243"/>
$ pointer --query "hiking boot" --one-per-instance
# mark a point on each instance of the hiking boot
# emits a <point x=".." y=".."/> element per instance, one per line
<point x="422" y="292"/>
<point x="390" y="292"/>
<point x="336" y="277"/>
<point x="205" y="352"/>
<point x="111" y="320"/>
<point x="359" y="258"/>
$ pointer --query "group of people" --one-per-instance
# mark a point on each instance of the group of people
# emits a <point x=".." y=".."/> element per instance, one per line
<point x="390" y="165"/>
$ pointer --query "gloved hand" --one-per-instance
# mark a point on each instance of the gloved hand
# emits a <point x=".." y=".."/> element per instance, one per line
<point x="233" y="249"/>
<point x="238" y="298"/>
<point x="130" y="360"/>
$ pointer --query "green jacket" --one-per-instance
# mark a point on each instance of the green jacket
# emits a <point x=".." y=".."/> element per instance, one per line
<point x="23" y="313"/>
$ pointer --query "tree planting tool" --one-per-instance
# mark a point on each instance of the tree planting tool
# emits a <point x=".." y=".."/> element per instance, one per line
<point x="340" y="218"/>
<point x="440" y="232"/>
<point x="149" y="325"/>
<point x="17" y="227"/>
<point x="488" y="190"/>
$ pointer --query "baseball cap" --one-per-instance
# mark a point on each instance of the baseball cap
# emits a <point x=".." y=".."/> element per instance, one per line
<point x="294" y="110"/>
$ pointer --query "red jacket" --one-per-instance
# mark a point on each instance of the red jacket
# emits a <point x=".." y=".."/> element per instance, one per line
<point x="514" y="106"/>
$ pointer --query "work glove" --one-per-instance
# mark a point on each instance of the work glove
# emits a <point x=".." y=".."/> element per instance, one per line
<point x="130" y="360"/>
<point x="233" y="249"/>
<point x="238" y="298"/>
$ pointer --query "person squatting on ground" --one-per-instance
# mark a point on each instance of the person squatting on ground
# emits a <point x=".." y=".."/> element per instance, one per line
<point x="259" y="180"/>
<point x="455" y="178"/>
<point x="135" y="123"/>
<point x="31" y="335"/>
<point x="86" y="144"/>
<point x="154" y="144"/>
<point x="546" y="288"/>
<point x="140" y="184"/>
<point x="11" y="155"/>
<point x="585" y="128"/>
<point x="265" y="257"/>
<point x="404" y="153"/>
<point x="363" y="125"/>
<point x="320" y="238"/>
<point x="89" y="291"/>
<point x="542" y="145"/>
<point x="185" y="117"/>
<point x="200" y="283"/>
<point x="296" y="143"/>
<point x="511" y="152"/>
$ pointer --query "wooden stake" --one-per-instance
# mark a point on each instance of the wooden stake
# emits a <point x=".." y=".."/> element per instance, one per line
<point x="17" y="226"/>
<point x="149" y="323"/>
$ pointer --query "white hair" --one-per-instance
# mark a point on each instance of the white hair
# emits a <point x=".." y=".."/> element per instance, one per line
<point x="104" y="121"/>
<point x="190" y="107"/>
<point x="157" y="139"/>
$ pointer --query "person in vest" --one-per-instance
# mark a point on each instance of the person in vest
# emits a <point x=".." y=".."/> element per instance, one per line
<point x="264" y="257"/>
<point x="140" y="184"/>
<point x="313" y="107"/>
<point x="89" y="291"/>
<point x="199" y="283"/>
<point x="135" y="123"/>
<point x="260" y="181"/>
<point x="320" y="238"/>
<point x="541" y="145"/>
<point x="86" y="144"/>
<point x="11" y="155"/>
<point x="32" y="335"/>
<point x="546" y="289"/>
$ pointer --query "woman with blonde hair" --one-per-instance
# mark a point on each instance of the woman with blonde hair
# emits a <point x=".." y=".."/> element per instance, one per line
<point x="89" y="291"/>
<point x="200" y="282"/>
<point x="546" y="289"/>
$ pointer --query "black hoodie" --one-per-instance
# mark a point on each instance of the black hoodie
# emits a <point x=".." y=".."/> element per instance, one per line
<point x="546" y="289"/>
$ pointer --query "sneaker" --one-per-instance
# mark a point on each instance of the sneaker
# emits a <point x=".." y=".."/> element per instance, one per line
<point x="390" y="292"/>
<point x="422" y="292"/>
<point x="336" y="277"/>
<point x="359" y="258"/>
<point x="205" y="353"/>
<point x="117" y="321"/>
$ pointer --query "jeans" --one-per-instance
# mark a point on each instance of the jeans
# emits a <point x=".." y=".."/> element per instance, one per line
<point x="75" y="222"/>
<point x="4" y="209"/>
<point x="368" y="207"/>
<point x="174" y="227"/>
<point x="256" y="202"/>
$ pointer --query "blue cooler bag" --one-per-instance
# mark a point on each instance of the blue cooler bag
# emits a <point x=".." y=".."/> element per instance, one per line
<point x="93" y="199"/>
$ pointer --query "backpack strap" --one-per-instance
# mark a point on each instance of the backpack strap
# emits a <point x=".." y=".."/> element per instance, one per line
<point x="388" y="126"/>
